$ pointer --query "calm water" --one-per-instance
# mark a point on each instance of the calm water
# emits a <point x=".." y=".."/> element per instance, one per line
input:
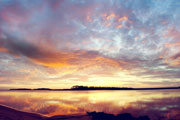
<point x="163" y="104"/>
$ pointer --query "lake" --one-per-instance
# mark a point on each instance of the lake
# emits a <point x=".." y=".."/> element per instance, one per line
<point x="157" y="104"/>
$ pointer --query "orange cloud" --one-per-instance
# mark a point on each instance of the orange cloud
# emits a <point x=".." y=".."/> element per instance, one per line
<point x="172" y="62"/>
<point x="123" y="19"/>
<point x="176" y="63"/>
<point x="119" y="26"/>
<point x="3" y="49"/>
<point x="89" y="19"/>
<point x="56" y="59"/>
<point x="78" y="60"/>
<point x="111" y="16"/>
<point x="113" y="20"/>
<point x="52" y="57"/>
<point x="167" y="45"/>
<point x="108" y="24"/>
<point x="172" y="33"/>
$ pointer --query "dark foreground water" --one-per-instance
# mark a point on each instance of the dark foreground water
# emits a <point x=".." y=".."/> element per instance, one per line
<point x="159" y="104"/>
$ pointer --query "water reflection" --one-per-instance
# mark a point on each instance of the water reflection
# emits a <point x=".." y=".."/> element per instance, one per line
<point x="162" y="104"/>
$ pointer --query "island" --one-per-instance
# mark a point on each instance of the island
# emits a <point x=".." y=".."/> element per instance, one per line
<point x="80" y="87"/>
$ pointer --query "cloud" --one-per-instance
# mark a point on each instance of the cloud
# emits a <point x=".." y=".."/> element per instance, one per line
<point x="52" y="58"/>
<point x="139" y="37"/>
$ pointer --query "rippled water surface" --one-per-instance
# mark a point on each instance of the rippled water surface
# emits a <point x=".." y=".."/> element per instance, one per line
<point x="160" y="104"/>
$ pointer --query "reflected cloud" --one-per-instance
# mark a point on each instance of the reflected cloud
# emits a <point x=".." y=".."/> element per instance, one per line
<point x="155" y="104"/>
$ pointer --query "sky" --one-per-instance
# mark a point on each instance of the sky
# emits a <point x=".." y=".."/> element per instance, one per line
<point x="61" y="43"/>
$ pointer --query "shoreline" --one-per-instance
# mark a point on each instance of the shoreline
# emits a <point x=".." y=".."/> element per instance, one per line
<point x="91" y="89"/>
<point x="8" y="113"/>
